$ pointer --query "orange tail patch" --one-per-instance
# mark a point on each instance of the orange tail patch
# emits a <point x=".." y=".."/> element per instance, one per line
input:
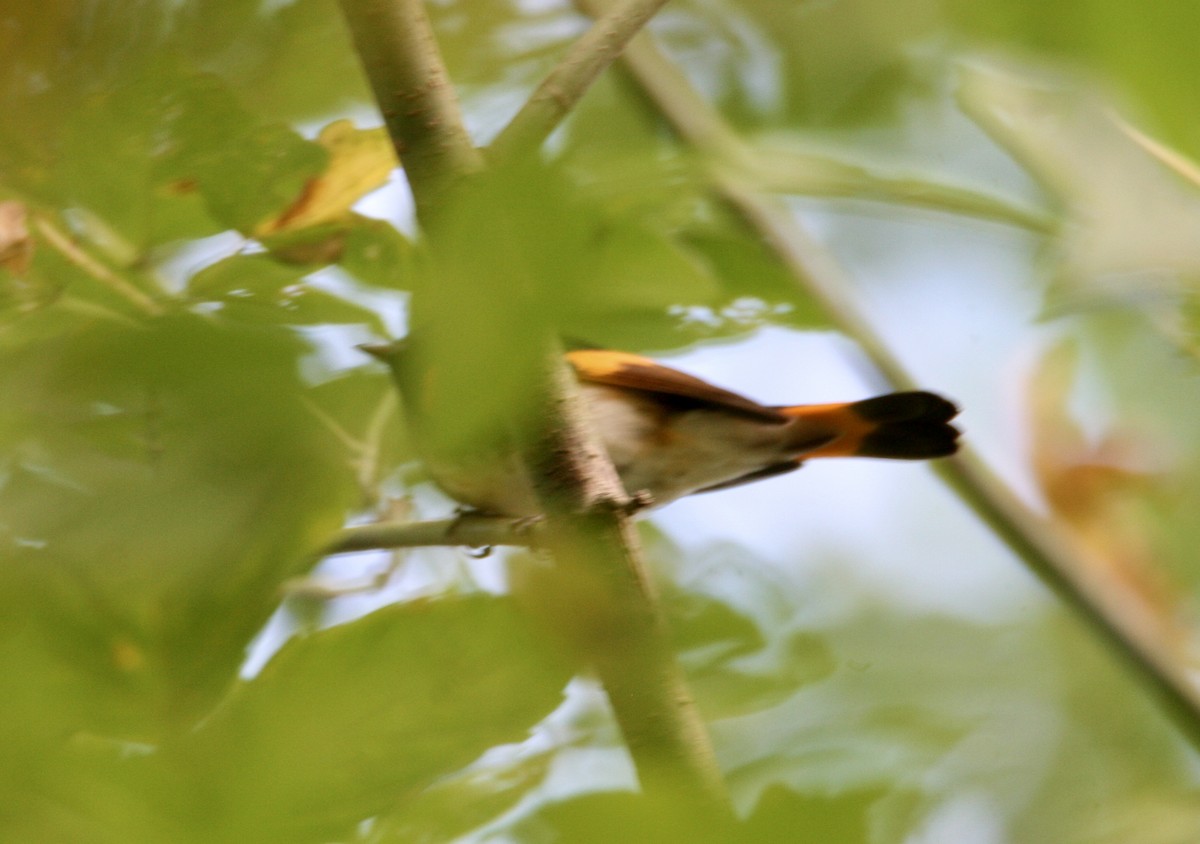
<point x="901" y="426"/>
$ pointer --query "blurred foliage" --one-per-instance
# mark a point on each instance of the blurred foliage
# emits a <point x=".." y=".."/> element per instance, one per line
<point x="345" y="722"/>
<point x="185" y="262"/>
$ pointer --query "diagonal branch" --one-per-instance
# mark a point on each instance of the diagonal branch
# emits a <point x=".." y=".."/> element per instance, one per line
<point x="570" y="79"/>
<point x="1101" y="604"/>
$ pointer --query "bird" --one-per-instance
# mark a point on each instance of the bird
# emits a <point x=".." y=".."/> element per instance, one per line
<point x="670" y="434"/>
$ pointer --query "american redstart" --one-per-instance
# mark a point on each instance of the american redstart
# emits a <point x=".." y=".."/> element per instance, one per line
<point x="670" y="434"/>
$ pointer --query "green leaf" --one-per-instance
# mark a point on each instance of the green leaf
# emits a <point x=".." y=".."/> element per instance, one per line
<point x="341" y="725"/>
<point x="638" y="269"/>
<point x="370" y="250"/>
<point x="479" y="60"/>
<point x="454" y="807"/>
<point x="161" y="480"/>
<point x="352" y="402"/>
<point x="787" y="817"/>
<point x="165" y="152"/>
<point x="242" y="275"/>
<point x="748" y="268"/>
<point x="731" y="669"/>
<point x="301" y="304"/>
<point x="378" y="255"/>
<point x="604" y="818"/>
<point x="261" y="289"/>
<point x="736" y="646"/>
<point x="290" y="61"/>
<point x="246" y="169"/>
<point x="1146" y="51"/>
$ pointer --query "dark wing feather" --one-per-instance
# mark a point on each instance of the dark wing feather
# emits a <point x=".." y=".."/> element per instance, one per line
<point x="757" y="475"/>
<point x="621" y="369"/>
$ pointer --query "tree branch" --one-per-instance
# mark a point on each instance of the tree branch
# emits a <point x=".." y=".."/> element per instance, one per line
<point x="587" y="530"/>
<point x="1126" y="626"/>
<point x="1117" y="621"/>
<point x="570" y="79"/>
<point x="395" y="42"/>
<point x="615" y="619"/>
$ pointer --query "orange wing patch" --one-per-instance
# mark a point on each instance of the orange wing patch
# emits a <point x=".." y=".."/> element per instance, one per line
<point x="633" y="372"/>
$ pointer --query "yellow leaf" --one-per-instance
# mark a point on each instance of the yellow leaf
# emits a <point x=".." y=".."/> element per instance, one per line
<point x="360" y="161"/>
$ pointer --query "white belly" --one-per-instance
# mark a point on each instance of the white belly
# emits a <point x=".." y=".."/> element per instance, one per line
<point x="681" y="453"/>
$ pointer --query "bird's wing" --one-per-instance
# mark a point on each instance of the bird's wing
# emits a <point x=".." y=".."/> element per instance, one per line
<point x="622" y="369"/>
<point x="781" y="468"/>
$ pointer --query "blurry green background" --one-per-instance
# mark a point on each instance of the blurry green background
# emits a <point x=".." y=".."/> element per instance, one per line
<point x="191" y="246"/>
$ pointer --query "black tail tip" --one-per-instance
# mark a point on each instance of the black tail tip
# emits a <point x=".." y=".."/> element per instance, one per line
<point x="910" y="426"/>
<point x="906" y="407"/>
<point x="911" y="441"/>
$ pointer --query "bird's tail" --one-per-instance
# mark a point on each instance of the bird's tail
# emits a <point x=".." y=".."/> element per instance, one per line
<point x="902" y="426"/>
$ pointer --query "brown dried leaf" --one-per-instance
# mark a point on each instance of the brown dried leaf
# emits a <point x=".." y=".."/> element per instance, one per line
<point x="1097" y="492"/>
<point x="16" y="246"/>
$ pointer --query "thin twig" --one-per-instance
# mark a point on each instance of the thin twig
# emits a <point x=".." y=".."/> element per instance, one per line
<point x="365" y="452"/>
<point x="77" y="256"/>
<point x="1175" y="161"/>
<point x="1099" y="602"/>
<point x="334" y="427"/>
<point x="559" y="92"/>
<point x="368" y="463"/>
<point x="473" y="531"/>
